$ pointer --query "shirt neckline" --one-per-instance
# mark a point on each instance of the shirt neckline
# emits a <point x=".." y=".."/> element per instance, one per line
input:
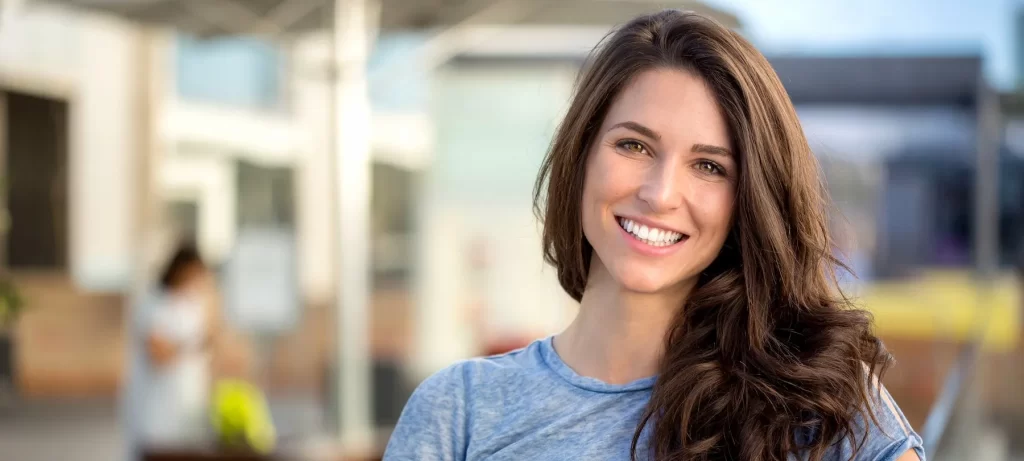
<point x="555" y="363"/>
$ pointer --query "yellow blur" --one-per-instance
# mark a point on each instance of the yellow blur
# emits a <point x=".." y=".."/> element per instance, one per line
<point x="241" y="418"/>
<point x="947" y="305"/>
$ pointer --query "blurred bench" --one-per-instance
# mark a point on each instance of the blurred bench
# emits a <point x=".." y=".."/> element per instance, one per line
<point x="212" y="455"/>
<point x="186" y="455"/>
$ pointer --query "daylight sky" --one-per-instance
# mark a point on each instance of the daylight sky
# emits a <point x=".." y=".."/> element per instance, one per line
<point x="885" y="26"/>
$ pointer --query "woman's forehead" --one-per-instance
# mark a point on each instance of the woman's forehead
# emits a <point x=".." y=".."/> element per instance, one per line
<point x="674" y="103"/>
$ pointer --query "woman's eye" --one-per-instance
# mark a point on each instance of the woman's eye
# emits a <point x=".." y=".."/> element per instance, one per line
<point x="633" y="147"/>
<point x="709" y="167"/>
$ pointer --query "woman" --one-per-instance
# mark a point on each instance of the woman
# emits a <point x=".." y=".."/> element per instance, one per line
<point x="175" y="369"/>
<point x="685" y="212"/>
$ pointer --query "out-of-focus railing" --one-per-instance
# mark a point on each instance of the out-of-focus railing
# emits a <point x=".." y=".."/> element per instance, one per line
<point x="954" y="387"/>
<point x="956" y="420"/>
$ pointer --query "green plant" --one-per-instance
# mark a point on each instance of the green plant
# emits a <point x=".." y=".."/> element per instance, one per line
<point x="11" y="303"/>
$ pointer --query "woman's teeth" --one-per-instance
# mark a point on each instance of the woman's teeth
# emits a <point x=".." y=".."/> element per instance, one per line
<point x="650" y="235"/>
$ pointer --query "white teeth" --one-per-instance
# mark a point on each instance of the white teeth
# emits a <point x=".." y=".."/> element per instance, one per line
<point x="651" y="236"/>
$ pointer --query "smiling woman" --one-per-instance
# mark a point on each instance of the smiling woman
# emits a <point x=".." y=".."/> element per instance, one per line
<point x="660" y="161"/>
<point x="684" y="210"/>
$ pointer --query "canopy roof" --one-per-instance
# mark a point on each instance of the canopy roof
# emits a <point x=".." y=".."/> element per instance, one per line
<point x="231" y="17"/>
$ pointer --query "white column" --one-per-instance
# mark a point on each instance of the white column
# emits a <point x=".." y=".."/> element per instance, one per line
<point x="315" y="185"/>
<point x="103" y="132"/>
<point x="354" y="25"/>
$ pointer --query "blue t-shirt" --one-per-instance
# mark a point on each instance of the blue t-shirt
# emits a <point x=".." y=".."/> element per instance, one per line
<point x="529" y="405"/>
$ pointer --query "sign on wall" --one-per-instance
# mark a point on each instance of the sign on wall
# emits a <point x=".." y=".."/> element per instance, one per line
<point x="261" y="289"/>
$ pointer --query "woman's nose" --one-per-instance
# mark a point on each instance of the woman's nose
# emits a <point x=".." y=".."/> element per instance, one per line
<point x="663" y="187"/>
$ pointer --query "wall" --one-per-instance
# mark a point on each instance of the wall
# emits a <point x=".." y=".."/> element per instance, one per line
<point x="865" y="134"/>
<point x="479" y="247"/>
<point x="104" y="156"/>
<point x="91" y="62"/>
<point x="70" y="341"/>
<point x="40" y="50"/>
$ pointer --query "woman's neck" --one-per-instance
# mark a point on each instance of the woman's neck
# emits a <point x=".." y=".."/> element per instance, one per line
<point x="618" y="336"/>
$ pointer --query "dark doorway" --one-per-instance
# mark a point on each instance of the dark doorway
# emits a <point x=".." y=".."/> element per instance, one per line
<point x="36" y="182"/>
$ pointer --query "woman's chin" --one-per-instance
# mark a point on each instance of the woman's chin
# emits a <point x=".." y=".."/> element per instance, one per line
<point x="644" y="283"/>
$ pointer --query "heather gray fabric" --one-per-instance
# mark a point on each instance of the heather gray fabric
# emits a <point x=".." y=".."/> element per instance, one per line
<point x="529" y="405"/>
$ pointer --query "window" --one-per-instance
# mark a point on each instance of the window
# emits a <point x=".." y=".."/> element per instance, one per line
<point x="184" y="217"/>
<point x="391" y="215"/>
<point x="930" y="213"/>
<point x="266" y="196"/>
<point x="238" y="71"/>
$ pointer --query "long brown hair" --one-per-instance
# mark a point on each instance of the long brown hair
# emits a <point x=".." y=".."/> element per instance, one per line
<point x="766" y="358"/>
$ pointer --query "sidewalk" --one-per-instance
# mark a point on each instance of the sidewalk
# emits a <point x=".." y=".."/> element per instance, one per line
<point x="80" y="430"/>
<point x="58" y="430"/>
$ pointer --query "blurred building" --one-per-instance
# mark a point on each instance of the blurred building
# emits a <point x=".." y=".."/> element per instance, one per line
<point x="123" y="138"/>
<point x="109" y="127"/>
<point x="70" y="119"/>
<point x="898" y="138"/>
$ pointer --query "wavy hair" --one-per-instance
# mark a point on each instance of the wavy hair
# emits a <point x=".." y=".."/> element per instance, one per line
<point x="766" y="358"/>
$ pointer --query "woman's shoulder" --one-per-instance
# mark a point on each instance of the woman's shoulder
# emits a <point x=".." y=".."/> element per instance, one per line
<point x="436" y="420"/>
<point x="883" y="434"/>
<point x="485" y="372"/>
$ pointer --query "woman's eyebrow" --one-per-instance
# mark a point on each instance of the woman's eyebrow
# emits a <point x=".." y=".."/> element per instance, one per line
<point x="634" y="126"/>
<point x="711" y="150"/>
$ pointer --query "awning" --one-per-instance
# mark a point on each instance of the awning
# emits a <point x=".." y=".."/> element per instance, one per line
<point x="231" y="17"/>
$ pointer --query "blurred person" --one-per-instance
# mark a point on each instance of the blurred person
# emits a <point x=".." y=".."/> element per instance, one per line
<point x="684" y="210"/>
<point x="175" y="332"/>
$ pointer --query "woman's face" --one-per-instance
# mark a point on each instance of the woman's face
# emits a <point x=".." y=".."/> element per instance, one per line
<point x="660" y="183"/>
<point x="193" y="280"/>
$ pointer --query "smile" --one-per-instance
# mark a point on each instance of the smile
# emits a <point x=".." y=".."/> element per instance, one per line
<point x="650" y="235"/>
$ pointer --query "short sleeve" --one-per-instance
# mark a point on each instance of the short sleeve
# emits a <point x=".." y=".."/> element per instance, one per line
<point x="433" y="424"/>
<point x="150" y="318"/>
<point x="885" y="439"/>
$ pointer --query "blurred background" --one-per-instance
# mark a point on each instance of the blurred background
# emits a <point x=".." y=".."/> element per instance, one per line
<point x="357" y="175"/>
